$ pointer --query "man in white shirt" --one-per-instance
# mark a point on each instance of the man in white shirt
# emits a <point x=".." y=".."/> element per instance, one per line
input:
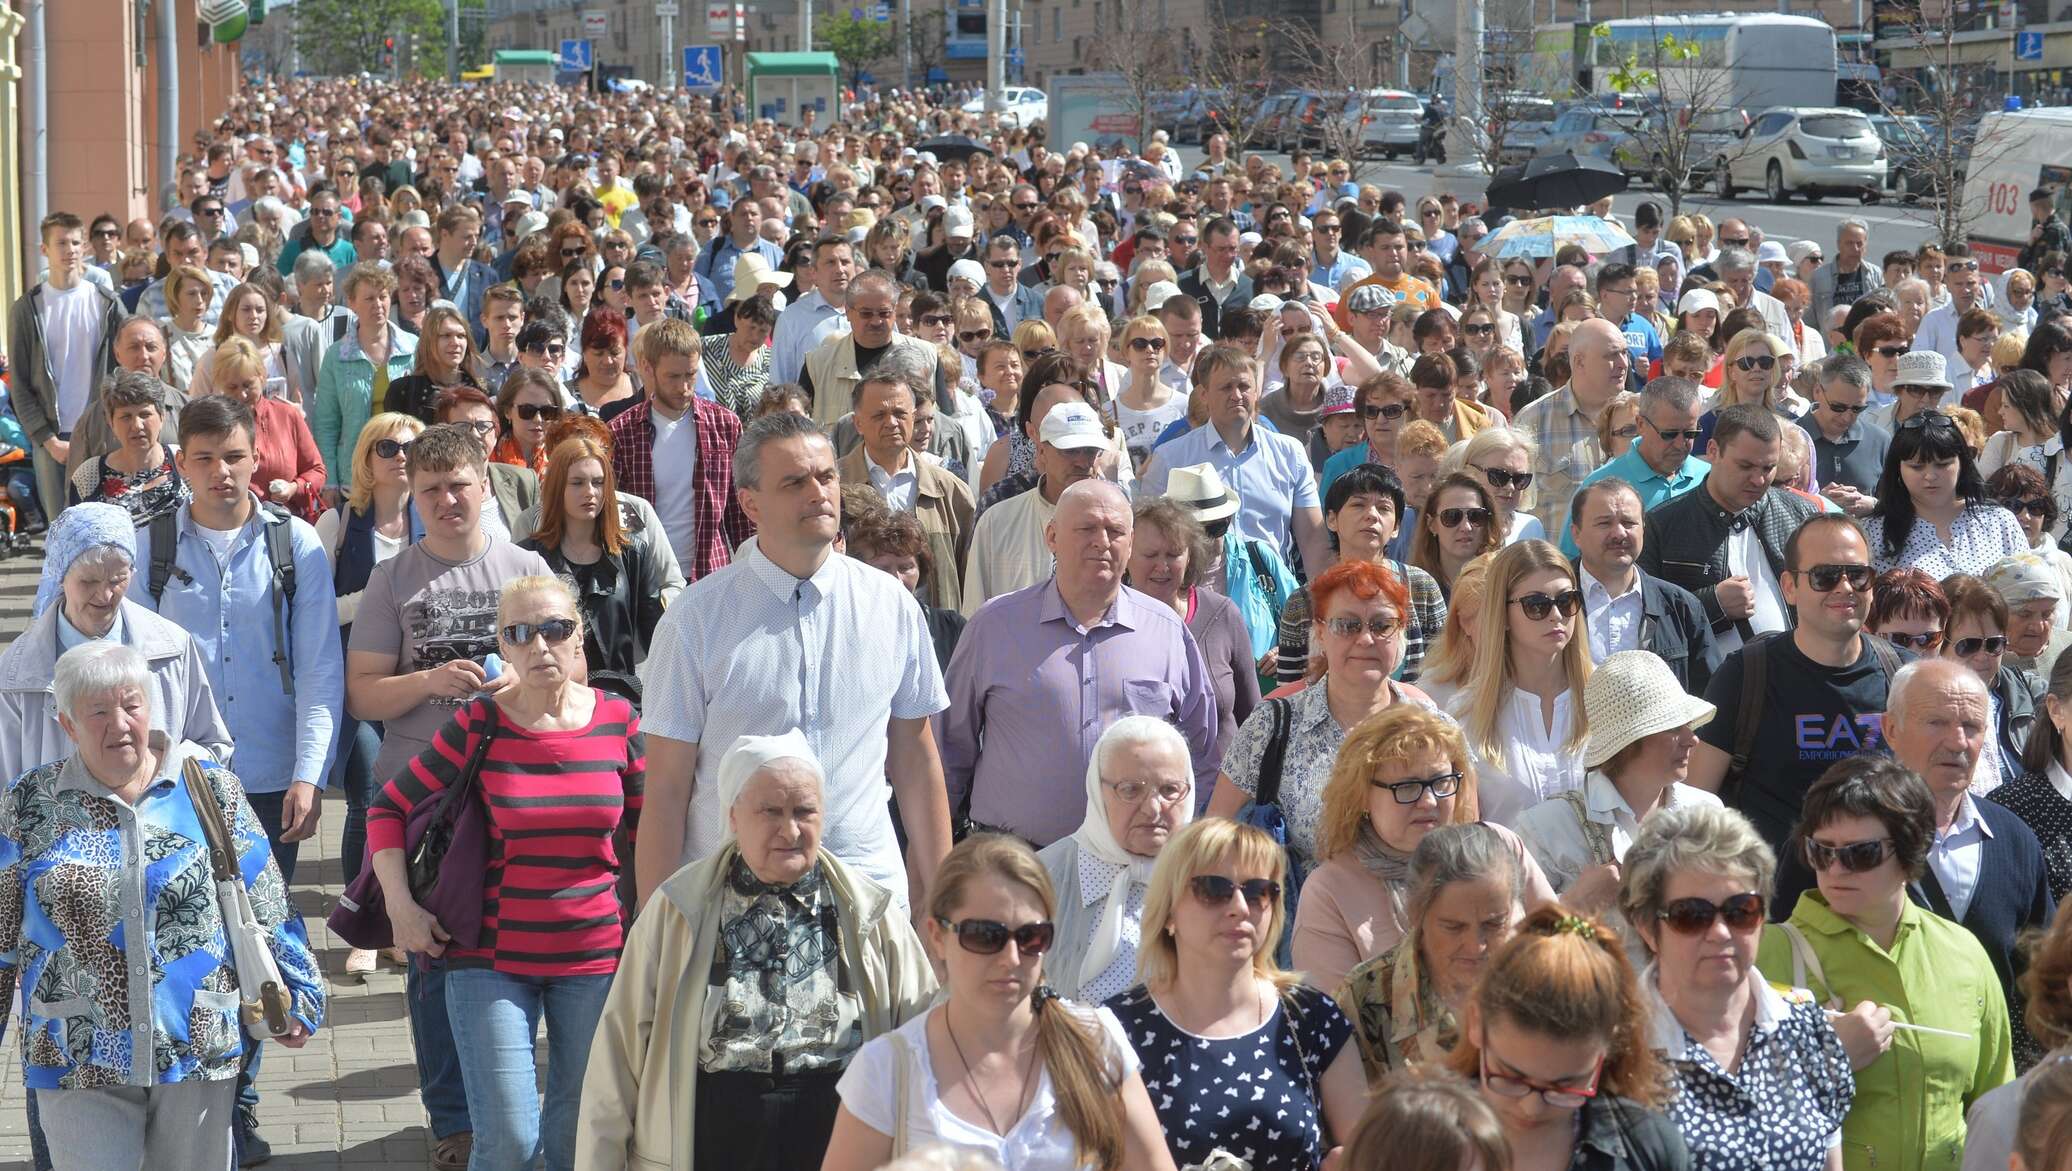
<point x="61" y="338"/>
<point x="818" y="315"/>
<point x="1938" y="329"/>
<point x="1008" y="550"/>
<point x="1607" y="527"/>
<point x="1181" y="317"/>
<point x="1736" y="268"/>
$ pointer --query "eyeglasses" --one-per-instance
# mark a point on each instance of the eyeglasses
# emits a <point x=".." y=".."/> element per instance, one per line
<point x="1510" y="1085"/>
<point x="1148" y="344"/>
<point x="1383" y="410"/>
<point x="1925" y="641"/>
<point x="1537" y="605"/>
<point x="1499" y="478"/>
<point x="969" y="336"/>
<point x="532" y="411"/>
<point x="1689" y="436"/>
<point x="1756" y="362"/>
<point x="107" y="233"/>
<point x="1332" y="229"/>
<point x="552" y="349"/>
<point x="1382" y="627"/>
<point x="1846" y="408"/>
<point x="1003" y="264"/>
<point x="1889" y="351"/>
<point x="937" y="319"/>
<point x="620" y="283"/>
<point x="1629" y="431"/>
<point x="555" y="630"/>
<point x="1991" y="644"/>
<point x="707" y="222"/>
<point x="571" y="254"/>
<point x="1215" y="890"/>
<point x="1019" y="206"/>
<point x="391" y="448"/>
<point x="1855" y="857"/>
<point x="1452" y="518"/>
<point x="1169" y="792"/>
<point x="1960" y="266"/>
<point x="987" y="937"/>
<point x="1742" y="912"/>
<point x="478" y="426"/>
<point x="1410" y="792"/>
<point x="2037" y="507"/>
<point x="1927" y="420"/>
<point x="1741" y="242"/>
<point x="1824" y="578"/>
<point x="1479" y="328"/>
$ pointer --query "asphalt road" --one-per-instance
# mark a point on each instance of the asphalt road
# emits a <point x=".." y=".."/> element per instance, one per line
<point x="1892" y="227"/>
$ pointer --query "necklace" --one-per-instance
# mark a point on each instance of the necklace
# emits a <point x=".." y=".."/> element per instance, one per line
<point x="1021" y="1098"/>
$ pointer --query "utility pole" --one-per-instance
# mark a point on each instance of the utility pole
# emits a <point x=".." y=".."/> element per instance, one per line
<point x="672" y="70"/>
<point x="453" y="41"/>
<point x="1467" y="85"/>
<point x="996" y="53"/>
<point x="906" y="42"/>
<point x="805" y="26"/>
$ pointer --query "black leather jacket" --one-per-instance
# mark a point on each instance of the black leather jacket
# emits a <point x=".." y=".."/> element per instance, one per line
<point x="621" y="604"/>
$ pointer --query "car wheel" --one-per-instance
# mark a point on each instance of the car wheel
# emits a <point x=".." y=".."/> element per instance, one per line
<point x="1774" y="184"/>
<point x="1903" y="188"/>
<point x="1723" y="180"/>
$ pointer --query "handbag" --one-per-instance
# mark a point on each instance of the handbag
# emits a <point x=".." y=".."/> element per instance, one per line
<point x="264" y="1006"/>
<point x="1263" y="813"/>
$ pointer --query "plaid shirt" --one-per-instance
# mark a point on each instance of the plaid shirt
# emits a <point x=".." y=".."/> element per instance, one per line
<point x="1565" y="451"/>
<point x="722" y="526"/>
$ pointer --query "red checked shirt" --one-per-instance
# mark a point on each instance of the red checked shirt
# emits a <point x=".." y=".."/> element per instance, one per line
<point x="721" y="525"/>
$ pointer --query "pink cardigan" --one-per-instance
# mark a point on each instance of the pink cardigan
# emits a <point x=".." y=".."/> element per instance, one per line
<point x="1344" y="918"/>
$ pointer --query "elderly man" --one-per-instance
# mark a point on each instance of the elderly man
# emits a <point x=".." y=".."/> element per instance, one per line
<point x="1058" y="301"/>
<point x="1043" y="671"/>
<point x="1269" y="472"/>
<point x="1737" y="270"/>
<point x="1623" y="608"/>
<point x="1845" y="279"/>
<point x="1563" y="425"/>
<point x="833" y="368"/>
<point x="1848" y="452"/>
<point x="818" y="315"/>
<point x="1008" y="548"/>
<point x="885" y="459"/>
<point x="1661" y="464"/>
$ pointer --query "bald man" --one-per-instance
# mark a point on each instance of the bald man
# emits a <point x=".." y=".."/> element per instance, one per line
<point x="1061" y="299"/>
<point x="1563" y="425"/>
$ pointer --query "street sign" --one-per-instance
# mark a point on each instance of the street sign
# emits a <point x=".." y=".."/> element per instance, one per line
<point x="1014" y="58"/>
<point x="2028" y="46"/>
<point x="596" y="24"/>
<point x="725" y="21"/>
<point x="575" y="56"/>
<point x="881" y="11"/>
<point x="704" y="69"/>
<point x="666" y="8"/>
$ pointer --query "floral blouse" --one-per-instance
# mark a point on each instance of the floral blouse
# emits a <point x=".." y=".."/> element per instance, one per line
<point x="1397" y="1016"/>
<point x="1981" y="535"/>
<point x="141" y="964"/>
<point x="779" y="997"/>
<point x="149" y="494"/>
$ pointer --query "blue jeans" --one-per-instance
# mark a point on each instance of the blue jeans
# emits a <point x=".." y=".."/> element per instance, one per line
<point x="352" y="771"/>
<point x="496" y="1018"/>
<point x="439" y="1080"/>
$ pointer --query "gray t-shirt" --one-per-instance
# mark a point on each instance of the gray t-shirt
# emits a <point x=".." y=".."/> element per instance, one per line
<point x="427" y="611"/>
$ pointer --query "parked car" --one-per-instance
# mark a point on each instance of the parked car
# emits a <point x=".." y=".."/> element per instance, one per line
<point x="1267" y="122"/>
<point x="1303" y="124"/>
<point x="1382" y="121"/>
<point x="1589" y="130"/>
<point x="1819" y="150"/>
<point x="1020" y="106"/>
<point x="1525" y="120"/>
<point x="1914" y="156"/>
<point x="1705" y="137"/>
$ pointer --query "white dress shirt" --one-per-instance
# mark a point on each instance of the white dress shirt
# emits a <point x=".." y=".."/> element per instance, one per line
<point x="898" y="488"/>
<point x="1538" y="765"/>
<point x="1554" y="837"/>
<point x="1956" y="855"/>
<point x="1613" y="620"/>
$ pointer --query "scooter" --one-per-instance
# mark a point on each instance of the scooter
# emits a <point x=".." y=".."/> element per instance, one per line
<point x="1431" y="141"/>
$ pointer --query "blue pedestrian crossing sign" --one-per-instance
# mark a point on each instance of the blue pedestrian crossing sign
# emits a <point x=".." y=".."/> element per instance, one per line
<point x="2028" y="46"/>
<point x="575" y="56"/>
<point x="703" y="68"/>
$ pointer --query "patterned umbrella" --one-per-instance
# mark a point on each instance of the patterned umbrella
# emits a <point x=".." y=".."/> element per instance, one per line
<point x="1545" y="235"/>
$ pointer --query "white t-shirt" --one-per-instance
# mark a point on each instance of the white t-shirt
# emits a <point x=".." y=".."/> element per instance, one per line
<point x="676" y="462"/>
<point x="72" y="321"/>
<point x="1141" y="429"/>
<point x="1038" y="1141"/>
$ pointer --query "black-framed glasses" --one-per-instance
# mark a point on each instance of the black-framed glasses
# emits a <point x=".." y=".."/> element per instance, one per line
<point x="1512" y="1085"/>
<point x="1743" y="912"/>
<point x="1689" y="435"/>
<point x="2036" y="507"/>
<point x="1499" y="478"/>
<point x="1538" y="605"/>
<point x="987" y="937"/>
<point x="937" y="319"/>
<point x="1169" y="792"/>
<point x="1824" y="578"/>
<point x="1191" y="241"/>
<point x="971" y="336"/>
<point x="1756" y="362"/>
<point x="1740" y="243"/>
<point x="107" y="233"/>
<point x="571" y="254"/>
<point x="1410" y="792"/>
<point x="1452" y="518"/>
<point x="1215" y="890"/>
<point x="391" y="448"/>
<point x="1479" y="328"/>
<point x="1516" y="281"/>
<point x="551" y="349"/>
<point x="1846" y="408"/>
<point x="1889" y="351"/>
<point x="1148" y="344"/>
<point x="1854" y="857"/>
<point x="1925" y="642"/>
<point x="478" y="426"/>
<point x="1381" y="626"/>
<point x="706" y="223"/>
<point x="532" y="411"/>
<point x="1003" y="264"/>
<point x="555" y="630"/>
<point x="1372" y="411"/>
<point x="1991" y="644"/>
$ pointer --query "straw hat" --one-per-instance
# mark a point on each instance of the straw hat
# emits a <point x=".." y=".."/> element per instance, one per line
<point x="1634" y="694"/>
<point x="1200" y="490"/>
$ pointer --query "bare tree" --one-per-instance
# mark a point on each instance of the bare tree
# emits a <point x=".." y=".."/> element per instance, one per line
<point x="1936" y="135"/>
<point x="927" y="43"/>
<point x="1144" y="54"/>
<point x="1690" y="132"/>
<point x="1233" y="64"/>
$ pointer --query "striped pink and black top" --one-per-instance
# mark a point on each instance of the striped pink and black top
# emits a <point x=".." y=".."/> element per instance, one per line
<point x="556" y="801"/>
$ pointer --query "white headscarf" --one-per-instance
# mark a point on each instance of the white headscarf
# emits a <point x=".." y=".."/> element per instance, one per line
<point x="747" y="757"/>
<point x="1097" y="839"/>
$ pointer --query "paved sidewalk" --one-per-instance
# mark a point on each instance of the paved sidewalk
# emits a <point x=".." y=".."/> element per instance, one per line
<point x="348" y="1099"/>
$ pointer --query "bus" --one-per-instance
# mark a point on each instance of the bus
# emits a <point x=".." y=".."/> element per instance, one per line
<point x="1746" y="60"/>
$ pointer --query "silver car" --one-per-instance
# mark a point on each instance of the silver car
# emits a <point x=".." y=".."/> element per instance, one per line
<point x="1384" y="121"/>
<point x="1525" y="120"/>
<point x="1815" y="151"/>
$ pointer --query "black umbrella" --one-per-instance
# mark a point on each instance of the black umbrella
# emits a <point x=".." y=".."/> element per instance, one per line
<point x="954" y="146"/>
<point x="1557" y="180"/>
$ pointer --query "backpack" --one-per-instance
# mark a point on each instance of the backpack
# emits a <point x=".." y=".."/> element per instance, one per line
<point x="280" y="551"/>
<point x="1748" y="716"/>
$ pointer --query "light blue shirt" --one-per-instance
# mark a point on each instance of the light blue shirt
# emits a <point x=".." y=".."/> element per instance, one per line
<point x="1653" y="486"/>
<point x="152" y="303"/>
<point x="1333" y="275"/>
<point x="716" y="262"/>
<point x="804" y="324"/>
<point x="228" y="608"/>
<point x="1271" y="477"/>
<point x="1957" y="852"/>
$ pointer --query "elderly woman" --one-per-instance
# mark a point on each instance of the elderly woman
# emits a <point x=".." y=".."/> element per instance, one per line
<point x="555" y="905"/>
<point x="1642" y="730"/>
<point x="88" y="557"/>
<point x="737" y="364"/>
<point x="1400" y="775"/>
<point x="704" y="1024"/>
<point x="1167" y="553"/>
<point x="1762" y="1079"/>
<point x="1933" y="513"/>
<point x="1083" y="332"/>
<point x="1866" y="830"/>
<point x="140" y="474"/>
<point x="1139" y="792"/>
<point x="1465" y="887"/>
<point x="106" y="878"/>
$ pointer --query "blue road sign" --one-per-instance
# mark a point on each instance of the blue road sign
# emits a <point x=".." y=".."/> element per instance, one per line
<point x="1014" y="58"/>
<point x="703" y="68"/>
<point x="2028" y="46"/>
<point x="855" y="14"/>
<point x="881" y="12"/>
<point x="575" y="56"/>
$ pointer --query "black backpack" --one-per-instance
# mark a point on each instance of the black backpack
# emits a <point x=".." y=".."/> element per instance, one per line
<point x="280" y="551"/>
<point x="1748" y="716"/>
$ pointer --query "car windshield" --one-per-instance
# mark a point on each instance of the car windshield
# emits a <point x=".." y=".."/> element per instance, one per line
<point x="1394" y="102"/>
<point x="1836" y="125"/>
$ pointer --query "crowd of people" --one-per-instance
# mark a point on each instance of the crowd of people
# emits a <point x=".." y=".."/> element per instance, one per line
<point x="1029" y="658"/>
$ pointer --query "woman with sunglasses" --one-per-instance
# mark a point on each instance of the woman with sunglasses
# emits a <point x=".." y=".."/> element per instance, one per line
<point x="1619" y="424"/>
<point x="1382" y="405"/>
<point x="1147" y="405"/>
<point x="1502" y="459"/>
<point x="1555" y="1034"/>
<point x="1460" y="891"/>
<point x="1525" y="718"/>
<point x="528" y="404"/>
<point x="446" y="358"/>
<point x="1401" y="775"/>
<point x="370" y="525"/>
<point x="1520" y="282"/>
<point x="1752" y="371"/>
<point x="1761" y="1078"/>
<point x="1000" y="1064"/>
<point x="556" y="905"/>
<point x="1458" y="526"/>
<point x="1977" y="637"/>
<point x="1881" y="340"/>
<point x="1866" y="830"/>
<point x="1215" y="1013"/>
<point x="1932" y="512"/>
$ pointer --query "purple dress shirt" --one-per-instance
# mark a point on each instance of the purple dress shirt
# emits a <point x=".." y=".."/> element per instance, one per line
<point x="1031" y="691"/>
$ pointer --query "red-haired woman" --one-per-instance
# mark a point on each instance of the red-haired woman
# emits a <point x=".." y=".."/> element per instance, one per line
<point x="618" y="582"/>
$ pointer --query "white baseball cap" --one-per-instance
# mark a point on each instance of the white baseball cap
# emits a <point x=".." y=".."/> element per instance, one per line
<point x="1073" y="425"/>
<point x="957" y="224"/>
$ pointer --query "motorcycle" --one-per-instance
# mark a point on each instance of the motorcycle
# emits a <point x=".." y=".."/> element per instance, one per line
<point x="1431" y="137"/>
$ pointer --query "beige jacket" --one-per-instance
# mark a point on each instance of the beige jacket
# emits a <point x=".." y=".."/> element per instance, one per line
<point x="832" y="365"/>
<point x="947" y="512"/>
<point x="640" y="1088"/>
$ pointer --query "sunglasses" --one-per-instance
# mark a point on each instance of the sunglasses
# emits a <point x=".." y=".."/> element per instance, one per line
<point x="571" y="254"/>
<point x="107" y="233"/>
<point x="2038" y="507"/>
<point x="1738" y="243"/>
<point x="708" y="223"/>
<point x="1191" y="241"/>
<point x="1756" y="362"/>
<point x="1518" y="282"/>
<point x="1824" y="578"/>
<point x="1855" y="857"/>
<point x="1537" y="605"/>
<point x="968" y="336"/>
<point x="532" y="411"/>
<point x="1381" y="627"/>
<point x="1214" y="890"/>
<point x="1025" y="206"/>
<point x="987" y="937"/>
<point x="1888" y="351"/>
<point x="1510" y="1085"/>
<point x="1846" y="408"/>
<point x="551" y="348"/>
<point x="1479" y="329"/>
<point x="1410" y="792"/>
<point x="1925" y="641"/>
<point x="555" y="630"/>
<point x="1992" y="644"/>
<point x="391" y="448"/>
<point x="1383" y="411"/>
<point x="937" y="319"/>
<point x="1928" y="419"/>
<point x="1451" y="518"/>
<point x="1629" y="431"/>
<point x="1148" y="344"/>
<point x="1743" y="912"/>
<point x="1499" y="478"/>
<point x="1689" y="436"/>
<point x="1003" y="265"/>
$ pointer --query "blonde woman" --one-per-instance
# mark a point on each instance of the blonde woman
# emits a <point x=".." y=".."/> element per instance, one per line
<point x="189" y="340"/>
<point x="1502" y="459"/>
<point x="1083" y="332"/>
<point x="1146" y="405"/>
<point x="1032" y="337"/>
<point x="1619" y="424"/>
<point x="1753" y="372"/>
<point x="250" y="314"/>
<point x="1524" y="718"/>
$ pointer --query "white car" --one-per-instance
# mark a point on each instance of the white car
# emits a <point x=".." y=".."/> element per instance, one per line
<point x="1020" y="105"/>
<point x="1816" y="151"/>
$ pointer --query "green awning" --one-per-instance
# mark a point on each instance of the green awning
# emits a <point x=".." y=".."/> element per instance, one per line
<point x="794" y="64"/>
<point x="527" y="57"/>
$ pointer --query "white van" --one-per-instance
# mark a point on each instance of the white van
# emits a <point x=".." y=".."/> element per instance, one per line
<point x="2029" y="149"/>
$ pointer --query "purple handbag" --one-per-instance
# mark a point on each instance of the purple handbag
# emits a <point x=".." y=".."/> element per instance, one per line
<point x="446" y="840"/>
